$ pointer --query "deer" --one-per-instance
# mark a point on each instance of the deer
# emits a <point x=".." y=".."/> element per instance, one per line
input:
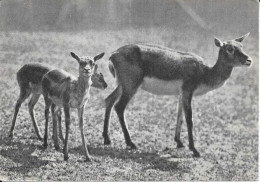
<point x="66" y="91"/>
<point x="29" y="79"/>
<point x="163" y="71"/>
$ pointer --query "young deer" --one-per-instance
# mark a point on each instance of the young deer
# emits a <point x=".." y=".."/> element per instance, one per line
<point x="164" y="71"/>
<point x="66" y="91"/>
<point x="29" y="79"/>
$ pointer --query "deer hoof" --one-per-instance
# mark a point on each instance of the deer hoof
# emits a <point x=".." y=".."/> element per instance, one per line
<point x="180" y="145"/>
<point x="57" y="147"/>
<point x="196" y="153"/>
<point x="88" y="159"/>
<point x="107" y="141"/>
<point x="40" y="138"/>
<point x="132" y="146"/>
<point x="66" y="158"/>
<point x="10" y="135"/>
<point x="45" y="145"/>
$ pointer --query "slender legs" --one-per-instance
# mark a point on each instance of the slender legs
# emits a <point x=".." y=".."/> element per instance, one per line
<point x="110" y="101"/>
<point x="32" y="102"/>
<point x="186" y="100"/>
<point x="120" y="110"/>
<point x="24" y="93"/>
<point x="81" y="127"/>
<point x="67" y="123"/>
<point x="179" y="123"/>
<point x="55" y="126"/>
<point x="58" y="113"/>
<point x="123" y="97"/>
<point x="47" y="110"/>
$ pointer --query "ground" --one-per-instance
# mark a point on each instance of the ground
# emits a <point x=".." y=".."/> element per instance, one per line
<point x="225" y="120"/>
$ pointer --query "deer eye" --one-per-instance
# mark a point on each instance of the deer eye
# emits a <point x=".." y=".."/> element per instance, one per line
<point x="230" y="49"/>
<point x="83" y="64"/>
<point x="92" y="63"/>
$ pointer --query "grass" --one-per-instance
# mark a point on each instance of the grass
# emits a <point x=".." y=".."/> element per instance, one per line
<point x="225" y="120"/>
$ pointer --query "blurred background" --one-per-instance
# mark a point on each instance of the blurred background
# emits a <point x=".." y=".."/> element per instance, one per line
<point x="78" y="15"/>
<point x="179" y="24"/>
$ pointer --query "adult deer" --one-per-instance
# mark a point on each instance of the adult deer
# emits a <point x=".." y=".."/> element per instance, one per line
<point x="164" y="71"/>
<point x="66" y="91"/>
<point x="29" y="79"/>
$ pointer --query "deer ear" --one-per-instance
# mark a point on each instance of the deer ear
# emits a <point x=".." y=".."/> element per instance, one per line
<point x="99" y="56"/>
<point x="74" y="56"/>
<point x="218" y="42"/>
<point x="240" y="39"/>
<point x="95" y="68"/>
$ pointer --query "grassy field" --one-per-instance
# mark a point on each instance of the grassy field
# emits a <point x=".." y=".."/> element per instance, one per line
<point x="225" y="120"/>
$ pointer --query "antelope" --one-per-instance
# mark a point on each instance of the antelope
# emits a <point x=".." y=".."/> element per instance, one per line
<point x="66" y="91"/>
<point x="164" y="71"/>
<point x="29" y="79"/>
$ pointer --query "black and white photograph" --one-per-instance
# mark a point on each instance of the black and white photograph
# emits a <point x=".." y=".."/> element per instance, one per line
<point x="129" y="90"/>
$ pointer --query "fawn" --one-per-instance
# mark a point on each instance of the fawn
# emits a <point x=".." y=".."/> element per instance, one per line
<point x="163" y="71"/>
<point x="66" y="91"/>
<point x="29" y="79"/>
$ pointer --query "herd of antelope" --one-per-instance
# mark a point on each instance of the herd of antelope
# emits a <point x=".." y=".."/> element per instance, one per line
<point x="155" y="69"/>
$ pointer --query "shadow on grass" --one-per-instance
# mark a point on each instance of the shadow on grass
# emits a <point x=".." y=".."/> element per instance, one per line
<point x="20" y="154"/>
<point x="152" y="160"/>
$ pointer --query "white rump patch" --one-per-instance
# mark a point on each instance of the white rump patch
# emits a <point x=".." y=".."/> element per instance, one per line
<point x="161" y="87"/>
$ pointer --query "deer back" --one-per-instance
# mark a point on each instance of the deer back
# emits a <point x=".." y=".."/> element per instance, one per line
<point x="36" y="69"/>
<point x="57" y="84"/>
<point x="159" y="62"/>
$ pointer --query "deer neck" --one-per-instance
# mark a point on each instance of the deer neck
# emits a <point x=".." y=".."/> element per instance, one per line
<point x="220" y="72"/>
<point x="84" y="84"/>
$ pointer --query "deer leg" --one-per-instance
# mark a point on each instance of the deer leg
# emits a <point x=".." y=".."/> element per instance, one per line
<point x="59" y="125"/>
<point x="32" y="102"/>
<point x="54" y="128"/>
<point x="81" y="127"/>
<point x="179" y="124"/>
<point x="24" y="94"/>
<point x="110" y="101"/>
<point x="186" y="99"/>
<point x="67" y="123"/>
<point x="120" y="110"/>
<point x="47" y="110"/>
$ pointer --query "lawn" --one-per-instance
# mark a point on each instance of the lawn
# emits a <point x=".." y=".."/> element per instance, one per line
<point x="225" y="120"/>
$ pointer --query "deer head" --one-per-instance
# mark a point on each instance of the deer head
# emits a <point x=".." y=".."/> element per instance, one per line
<point x="98" y="79"/>
<point x="86" y="64"/>
<point x="232" y="52"/>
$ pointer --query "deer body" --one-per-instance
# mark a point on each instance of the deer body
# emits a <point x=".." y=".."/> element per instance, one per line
<point x="166" y="74"/>
<point x="161" y="87"/>
<point x="64" y="88"/>
<point x="164" y="71"/>
<point x="66" y="91"/>
<point x="29" y="78"/>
